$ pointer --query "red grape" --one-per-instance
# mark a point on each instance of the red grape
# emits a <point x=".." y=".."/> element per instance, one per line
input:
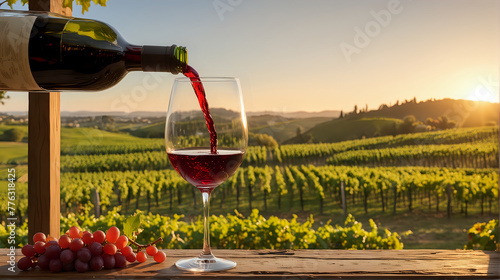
<point x="76" y="244"/>
<point x="50" y="238"/>
<point x="67" y="256"/>
<point x="95" y="248"/>
<point x="39" y="236"/>
<point x="53" y="252"/>
<point x="24" y="263"/>
<point x="99" y="236"/>
<point x="50" y="243"/>
<point x="141" y="257"/>
<point x="120" y="260"/>
<point x="87" y="238"/>
<point x="68" y="266"/>
<point x="151" y="250"/>
<point x="96" y="263"/>
<point x="28" y="250"/>
<point x="109" y="249"/>
<point x="39" y="247"/>
<point x="131" y="258"/>
<point x="160" y="257"/>
<point x="112" y="234"/>
<point x="121" y="242"/>
<point x="81" y="266"/>
<point x="109" y="261"/>
<point x="55" y="265"/>
<point x="43" y="262"/>
<point x="74" y="232"/>
<point x="64" y="241"/>
<point x="84" y="254"/>
<point x="127" y="250"/>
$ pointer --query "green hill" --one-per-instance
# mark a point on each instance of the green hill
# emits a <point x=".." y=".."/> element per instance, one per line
<point x="386" y="120"/>
<point x="347" y="129"/>
<point x="18" y="151"/>
<point x="465" y="113"/>
<point x="278" y="127"/>
<point x="281" y="128"/>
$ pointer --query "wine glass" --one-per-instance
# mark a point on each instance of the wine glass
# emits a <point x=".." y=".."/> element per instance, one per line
<point x="202" y="158"/>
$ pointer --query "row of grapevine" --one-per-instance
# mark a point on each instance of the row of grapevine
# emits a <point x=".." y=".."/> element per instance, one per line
<point x="392" y="186"/>
<point x="480" y="155"/>
<point x="235" y="232"/>
<point x="484" y="155"/>
<point x="285" y="152"/>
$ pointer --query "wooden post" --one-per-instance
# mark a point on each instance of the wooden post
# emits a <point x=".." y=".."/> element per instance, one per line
<point x="44" y="135"/>
<point x="342" y="195"/>
<point x="448" y="193"/>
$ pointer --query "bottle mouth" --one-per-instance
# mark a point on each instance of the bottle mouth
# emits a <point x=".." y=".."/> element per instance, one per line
<point x="181" y="55"/>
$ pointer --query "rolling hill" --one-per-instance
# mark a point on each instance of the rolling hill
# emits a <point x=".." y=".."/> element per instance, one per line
<point x="385" y="120"/>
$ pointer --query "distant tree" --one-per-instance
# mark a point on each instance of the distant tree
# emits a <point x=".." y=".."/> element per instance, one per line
<point x="445" y="123"/>
<point x="262" y="140"/>
<point x="3" y="97"/>
<point x="14" y="135"/>
<point x="298" y="132"/>
<point x="383" y="106"/>
<point x="355" y="109"/>
<point x="442" y="122"/>
<point x="108" y="122"/>
<point x="431" y="122"/>
<point x="341" y="114"/>
<point x="408" y="125"/>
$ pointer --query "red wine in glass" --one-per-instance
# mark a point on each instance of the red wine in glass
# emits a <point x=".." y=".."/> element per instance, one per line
<point x="204" y="169"/>
<point x="202" y="99"/>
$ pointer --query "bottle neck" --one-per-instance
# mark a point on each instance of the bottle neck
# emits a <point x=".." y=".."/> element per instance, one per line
<point x="171" y="59"/>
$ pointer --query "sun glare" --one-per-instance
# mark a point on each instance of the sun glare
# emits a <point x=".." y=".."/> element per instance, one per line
<point x="485" y="92"/>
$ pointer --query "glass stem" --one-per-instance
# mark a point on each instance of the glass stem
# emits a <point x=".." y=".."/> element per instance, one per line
<point x="207" y="252"/>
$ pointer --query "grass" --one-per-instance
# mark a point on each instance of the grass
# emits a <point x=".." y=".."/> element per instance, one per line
<point x="13" y="151"/>
<point x="18" y="151"/>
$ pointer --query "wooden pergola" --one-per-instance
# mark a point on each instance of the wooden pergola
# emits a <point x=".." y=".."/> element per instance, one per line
<point x="44" y="129"/>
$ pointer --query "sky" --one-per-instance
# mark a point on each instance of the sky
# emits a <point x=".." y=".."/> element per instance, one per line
<point x="308" y="55"/>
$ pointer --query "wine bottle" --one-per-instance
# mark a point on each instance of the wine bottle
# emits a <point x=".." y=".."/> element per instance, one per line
<point x="47" y="51"/>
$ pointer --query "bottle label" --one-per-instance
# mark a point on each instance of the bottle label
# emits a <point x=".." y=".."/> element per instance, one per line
<point x="15" y="72"/>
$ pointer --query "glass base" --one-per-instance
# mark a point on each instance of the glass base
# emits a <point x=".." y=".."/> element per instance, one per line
<point x="205" y="263"/>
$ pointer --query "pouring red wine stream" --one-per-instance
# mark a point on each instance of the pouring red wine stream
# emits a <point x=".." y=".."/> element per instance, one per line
<point x="202" y="99"/>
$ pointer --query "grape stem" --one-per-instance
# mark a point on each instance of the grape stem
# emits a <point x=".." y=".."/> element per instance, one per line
<point x="139" y="246"/>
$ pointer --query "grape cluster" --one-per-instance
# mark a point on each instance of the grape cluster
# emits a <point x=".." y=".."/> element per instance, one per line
<point x="83" y="251"/>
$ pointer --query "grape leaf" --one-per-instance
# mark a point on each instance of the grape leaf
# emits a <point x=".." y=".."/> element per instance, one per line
<point x="131" y="225"/>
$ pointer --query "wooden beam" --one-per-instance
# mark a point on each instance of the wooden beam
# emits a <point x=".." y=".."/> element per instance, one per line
<point x="44" y="136"/>
<point x="55" y="6"/>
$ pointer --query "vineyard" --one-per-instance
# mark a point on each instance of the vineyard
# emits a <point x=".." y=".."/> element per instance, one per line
<point x="453" y="172"/>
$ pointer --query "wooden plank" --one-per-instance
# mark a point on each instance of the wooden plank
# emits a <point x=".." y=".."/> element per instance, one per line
<point x="306" y="264"/>
<point x="44" y="135"/>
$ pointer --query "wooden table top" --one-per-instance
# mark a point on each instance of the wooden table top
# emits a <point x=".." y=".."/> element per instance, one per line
<point x="299" y="264"/>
